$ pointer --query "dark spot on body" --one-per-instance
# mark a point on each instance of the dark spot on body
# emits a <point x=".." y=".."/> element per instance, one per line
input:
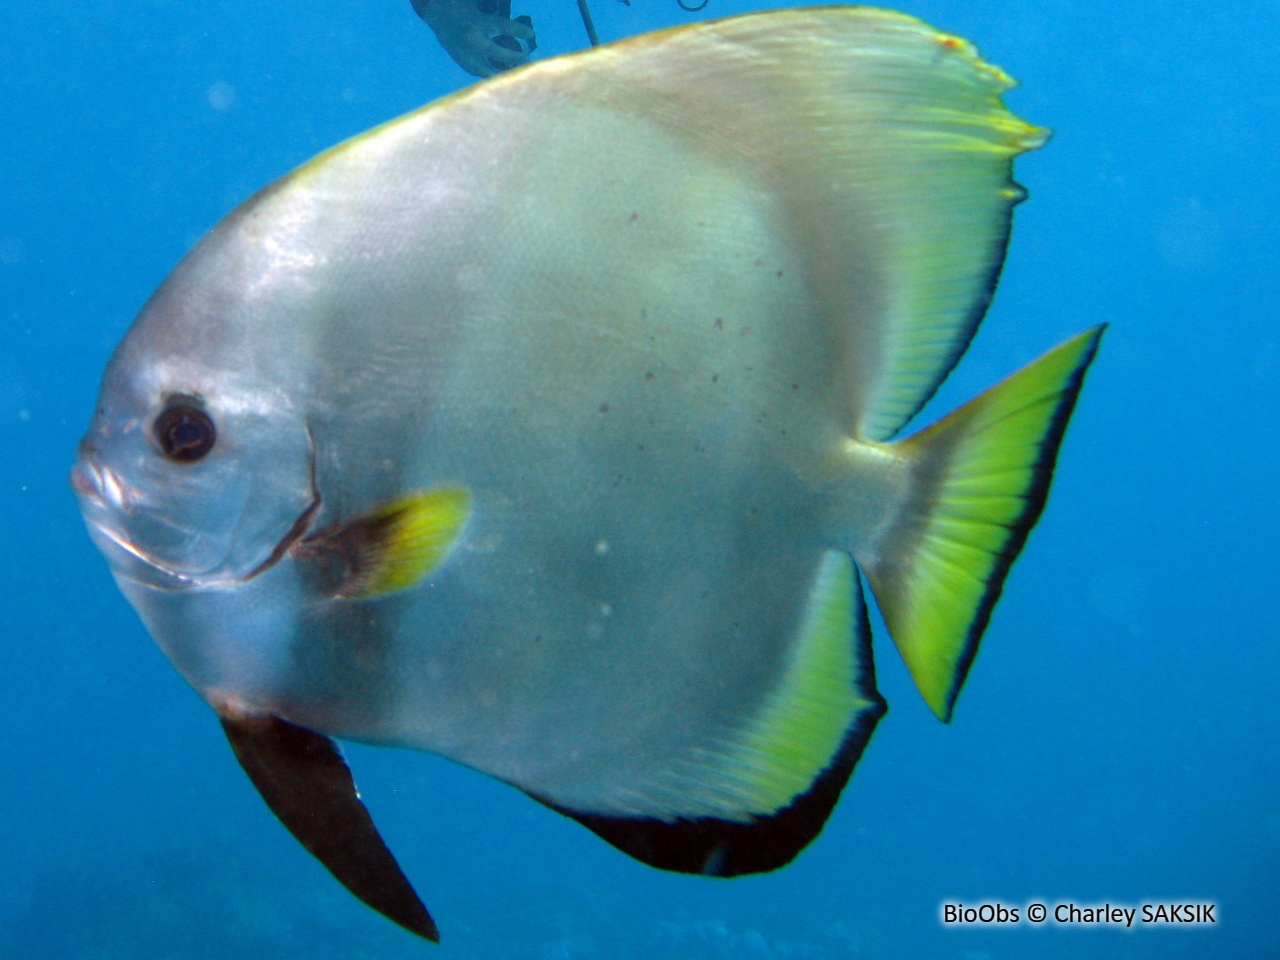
<point x="648" y="375"/>
<point x="719" y="323"/>
<point x="604" y="408"/>
<point x="634" y="217"/>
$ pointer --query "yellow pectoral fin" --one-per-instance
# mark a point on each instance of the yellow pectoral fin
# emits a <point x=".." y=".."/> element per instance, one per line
<point x="393" y="547"/>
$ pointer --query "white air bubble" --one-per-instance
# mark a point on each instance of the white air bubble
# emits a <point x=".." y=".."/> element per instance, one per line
<point x="12" y="250"/>
<point x="222" y="96"/>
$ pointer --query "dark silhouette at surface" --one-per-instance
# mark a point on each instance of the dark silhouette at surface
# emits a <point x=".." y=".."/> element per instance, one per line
<point x="480" y="35"/>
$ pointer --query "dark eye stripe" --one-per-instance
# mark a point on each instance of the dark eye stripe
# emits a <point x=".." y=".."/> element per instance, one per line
<point x="185" y="433"/>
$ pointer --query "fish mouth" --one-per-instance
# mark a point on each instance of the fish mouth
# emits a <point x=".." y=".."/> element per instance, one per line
<point x="103" y="493"/>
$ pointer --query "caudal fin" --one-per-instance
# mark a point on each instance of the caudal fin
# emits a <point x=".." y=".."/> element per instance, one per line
<point x="979" y="481"/>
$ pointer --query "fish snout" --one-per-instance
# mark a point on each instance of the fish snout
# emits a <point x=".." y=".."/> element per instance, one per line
<point x="84" y="480"/>
<point x="100" y="485"/>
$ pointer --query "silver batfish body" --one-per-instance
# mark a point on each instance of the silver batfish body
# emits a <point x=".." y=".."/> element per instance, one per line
<point x="550" y="429"/>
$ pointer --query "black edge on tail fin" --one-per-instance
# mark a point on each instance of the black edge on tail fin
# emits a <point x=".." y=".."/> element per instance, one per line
<point x="1036" y="498"/>
<point x="981" y="476"/>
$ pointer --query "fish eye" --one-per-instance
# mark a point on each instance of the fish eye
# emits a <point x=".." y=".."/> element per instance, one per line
<point x="184" y="432"/>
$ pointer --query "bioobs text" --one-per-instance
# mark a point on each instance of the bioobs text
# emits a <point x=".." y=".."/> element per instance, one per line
<point x="983" y="913"/>
<point x="1068" y="913"/>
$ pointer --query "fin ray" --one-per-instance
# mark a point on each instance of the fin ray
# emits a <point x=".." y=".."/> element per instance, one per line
<point x="390" y="549"/>
<point x="979" y="481"/>
<point x="892" y="163"/>
<point x="760" y="796"/>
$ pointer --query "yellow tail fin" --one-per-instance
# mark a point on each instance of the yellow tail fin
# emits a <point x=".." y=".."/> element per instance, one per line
<point x="979" y="481"/>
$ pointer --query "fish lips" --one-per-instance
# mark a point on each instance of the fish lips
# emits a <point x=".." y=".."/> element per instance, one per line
<point x="143" y="544"/>
<point x="137" y="541"/>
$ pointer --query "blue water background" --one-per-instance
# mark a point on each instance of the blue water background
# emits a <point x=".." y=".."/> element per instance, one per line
<point x="1117" y="740"/>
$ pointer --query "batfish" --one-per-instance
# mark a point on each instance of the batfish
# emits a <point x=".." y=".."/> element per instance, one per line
<point x="552" y="429"/>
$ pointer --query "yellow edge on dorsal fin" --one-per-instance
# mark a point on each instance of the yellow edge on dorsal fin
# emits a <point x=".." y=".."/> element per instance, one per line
<point x="884" y="145"/>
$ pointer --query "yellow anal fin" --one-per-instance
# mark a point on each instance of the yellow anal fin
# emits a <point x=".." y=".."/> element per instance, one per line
<point x="391" y="548"/>
<point x="979" y="479"/>
<point x="827" y="691"/>
<point x="757" y="797"/>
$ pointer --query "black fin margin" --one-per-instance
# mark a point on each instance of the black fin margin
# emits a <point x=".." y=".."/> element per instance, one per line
<point x="727" y="848"/>
<point x="978" y="310"/>
<point x="306" y="783"/>
<point x="1034" y="501"/>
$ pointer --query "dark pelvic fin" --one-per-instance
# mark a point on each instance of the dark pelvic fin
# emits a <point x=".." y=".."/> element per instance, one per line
<point x="726" y="848"/>
<point x="306" y="783"/>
